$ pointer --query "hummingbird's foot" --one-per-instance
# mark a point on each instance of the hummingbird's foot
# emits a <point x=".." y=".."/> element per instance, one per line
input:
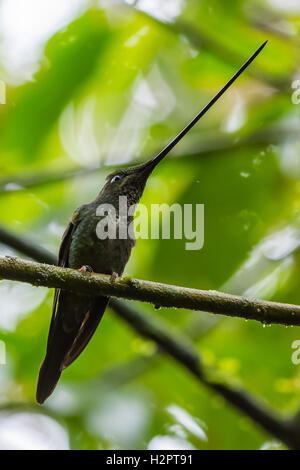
<point x="86" y="268"/>
<point x="113" y="277"/>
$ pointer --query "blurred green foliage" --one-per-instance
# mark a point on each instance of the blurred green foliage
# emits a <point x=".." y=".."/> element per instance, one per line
<point x="112" y="88"/>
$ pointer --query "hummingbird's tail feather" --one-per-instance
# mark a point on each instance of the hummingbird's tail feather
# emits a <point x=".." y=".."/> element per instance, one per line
<point x="68" y="337"/>
<point x="48" y="377"/>
<point x="59" y="342"/>
<point x="87" y="329"/>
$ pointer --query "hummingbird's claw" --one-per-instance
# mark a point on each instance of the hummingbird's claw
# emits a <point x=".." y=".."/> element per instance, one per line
<point x="113" y="276"/>
<point x="86" y="268"/>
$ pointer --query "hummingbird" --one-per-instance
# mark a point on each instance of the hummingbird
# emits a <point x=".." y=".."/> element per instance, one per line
<point x="75" y="317"/>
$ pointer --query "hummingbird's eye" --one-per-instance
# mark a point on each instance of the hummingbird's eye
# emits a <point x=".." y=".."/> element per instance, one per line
<point x="115" y="178"/>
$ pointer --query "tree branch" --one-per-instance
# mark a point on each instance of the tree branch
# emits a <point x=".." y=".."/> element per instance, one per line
<point x="200" y="40"/>
<point x="210" y="144"/>
<point x="130" y="369"/>
<point x="185" y="355"/>
<point x="285" y="430"/>
<point x="22" y="245"/>
<point x="146" y="291"/>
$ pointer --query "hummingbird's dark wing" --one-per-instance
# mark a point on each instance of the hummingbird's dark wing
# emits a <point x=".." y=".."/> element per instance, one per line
<point x="74" y="320"/>
<point x="87" y="329"/>
<point x="62" y="261"/>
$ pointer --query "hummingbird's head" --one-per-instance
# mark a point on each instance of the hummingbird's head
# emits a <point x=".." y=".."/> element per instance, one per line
<point x="129" y="182"/>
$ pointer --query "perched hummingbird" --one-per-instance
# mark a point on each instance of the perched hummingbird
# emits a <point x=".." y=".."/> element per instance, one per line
<point x="75" y="317"/>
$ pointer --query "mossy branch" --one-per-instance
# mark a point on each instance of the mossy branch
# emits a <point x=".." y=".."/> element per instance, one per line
<point x="182" y="351"/>
<point x="163" y="295"/>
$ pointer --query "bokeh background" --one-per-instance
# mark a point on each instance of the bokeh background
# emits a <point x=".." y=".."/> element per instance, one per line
<point x="91" y="85"/>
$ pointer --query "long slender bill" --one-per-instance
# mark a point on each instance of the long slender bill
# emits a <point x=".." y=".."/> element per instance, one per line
<point x="154" y="161"/>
